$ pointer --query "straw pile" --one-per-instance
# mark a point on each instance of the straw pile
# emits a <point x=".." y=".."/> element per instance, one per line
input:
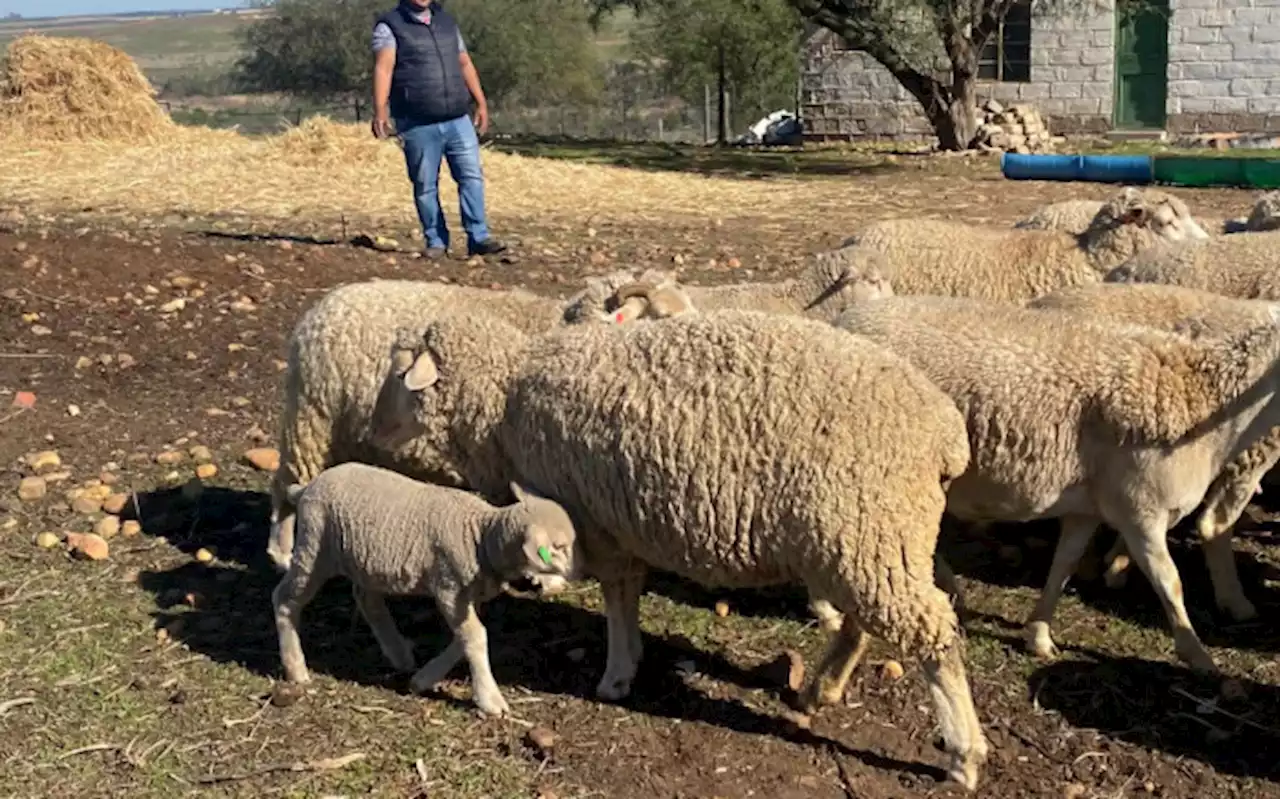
<point x="72" y="89"/>
<point x="309" y="178"/>
<point x="321" y="141"/>
<point x="1020" y="128"/>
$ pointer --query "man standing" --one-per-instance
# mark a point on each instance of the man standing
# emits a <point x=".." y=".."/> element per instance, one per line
<point x="423" y="78"/>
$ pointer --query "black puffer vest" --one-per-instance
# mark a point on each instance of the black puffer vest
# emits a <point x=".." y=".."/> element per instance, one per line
<point x="427" y="84"/>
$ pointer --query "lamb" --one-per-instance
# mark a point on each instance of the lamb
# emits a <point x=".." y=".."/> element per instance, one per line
<point x="336" y="364"/>
<point x="1244" y="266"/>
<point x="1086" y="422"/>
<point x="391" y="535"/>
<point x="955" y="259"/>
<point x="711" y="446"/>
<point x="1265" y="214"/>
<point x="1178" y="309"/>
<point x="832" y="281"/>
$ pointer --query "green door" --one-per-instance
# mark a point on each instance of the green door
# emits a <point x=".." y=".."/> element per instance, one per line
<point x="1142" y="60"/>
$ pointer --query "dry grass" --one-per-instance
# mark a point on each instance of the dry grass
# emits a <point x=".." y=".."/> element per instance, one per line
<point x="56" y="89"/>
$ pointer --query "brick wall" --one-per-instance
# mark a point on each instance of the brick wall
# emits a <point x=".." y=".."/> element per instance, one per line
<point x="1224" y="66"/>
<point x="848" y="94"/>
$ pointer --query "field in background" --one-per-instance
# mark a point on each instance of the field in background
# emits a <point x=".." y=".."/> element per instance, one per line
<point x="153" y="673"/>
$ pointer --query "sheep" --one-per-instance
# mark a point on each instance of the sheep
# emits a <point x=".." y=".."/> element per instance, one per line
<point x="821" y="290"/>
<point x="1070" y="216"/>
<point x="392" y="535"/>
<point x="952" y="258"/>
<point x="336" y="360"/>
<point x="711" y="446"/>
<point x="1086" y="422"/>
<point x="1265" y="214"/>
<point x="1179" y="309"/>
<point x="1244" y="266"/>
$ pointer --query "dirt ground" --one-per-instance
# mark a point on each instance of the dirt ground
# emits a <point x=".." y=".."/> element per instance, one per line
<point x="151" y="673"/>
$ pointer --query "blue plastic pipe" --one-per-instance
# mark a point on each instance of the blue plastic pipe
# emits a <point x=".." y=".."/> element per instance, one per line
<point x="1092" y="168"/>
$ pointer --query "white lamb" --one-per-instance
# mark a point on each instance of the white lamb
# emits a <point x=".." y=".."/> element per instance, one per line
<point x="391" y="535"/>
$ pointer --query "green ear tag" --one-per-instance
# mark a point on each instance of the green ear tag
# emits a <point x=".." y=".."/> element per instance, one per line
<point x="545" y="554"/>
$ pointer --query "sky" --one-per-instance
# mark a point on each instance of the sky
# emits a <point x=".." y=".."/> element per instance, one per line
<point x="58" y="8"/>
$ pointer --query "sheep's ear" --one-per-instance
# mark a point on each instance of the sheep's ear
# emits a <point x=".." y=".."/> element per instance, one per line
<point x="523" y="493"/>
<point x="422" y="373"/>
<point x="672" y="301"/>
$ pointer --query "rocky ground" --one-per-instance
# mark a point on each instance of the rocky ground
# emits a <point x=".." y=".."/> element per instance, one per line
<point x="139" y="392"/>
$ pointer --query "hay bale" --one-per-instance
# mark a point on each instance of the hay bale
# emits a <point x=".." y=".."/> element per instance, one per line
<point x="74" y="89"/>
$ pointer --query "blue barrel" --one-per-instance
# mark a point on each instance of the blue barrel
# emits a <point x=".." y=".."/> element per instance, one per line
<point x="1094" y="168"/>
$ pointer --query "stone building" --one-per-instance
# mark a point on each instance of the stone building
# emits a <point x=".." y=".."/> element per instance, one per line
<point x="1181" y="66"/>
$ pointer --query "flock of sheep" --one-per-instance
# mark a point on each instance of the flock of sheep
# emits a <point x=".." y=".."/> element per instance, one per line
<point x="1118" y="371"/>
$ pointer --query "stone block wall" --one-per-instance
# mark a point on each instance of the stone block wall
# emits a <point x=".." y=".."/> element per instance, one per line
<point x="848" y="94"/>
<point x="1224" y="66"/>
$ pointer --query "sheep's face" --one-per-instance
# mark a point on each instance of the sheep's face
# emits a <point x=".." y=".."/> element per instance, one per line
<point x="395" y="414"/>
<point x="1162" y="214"/>
<point x="645" y="299"/>
<point x="550" y="553"/>
<point x="1266" y="213"/>
<point x="848" y="276"/>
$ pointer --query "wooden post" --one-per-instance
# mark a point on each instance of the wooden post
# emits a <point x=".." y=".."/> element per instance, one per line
<point x="706" y="113"/>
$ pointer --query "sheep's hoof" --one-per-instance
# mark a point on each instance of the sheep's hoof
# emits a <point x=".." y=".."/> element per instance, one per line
<point x="964" y="771"/>
<point x="1117" y="574"/>
<point x="494" y="706"/>
<point x="1039" y="641"/>
<point x="1238" y="608"/>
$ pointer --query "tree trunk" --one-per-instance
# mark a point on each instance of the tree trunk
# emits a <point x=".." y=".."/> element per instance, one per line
<point x="722" y="117"/>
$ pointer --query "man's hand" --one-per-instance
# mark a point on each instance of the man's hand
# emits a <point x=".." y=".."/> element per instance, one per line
<point x="381" y="126"/>
<point x="481" y="118"/>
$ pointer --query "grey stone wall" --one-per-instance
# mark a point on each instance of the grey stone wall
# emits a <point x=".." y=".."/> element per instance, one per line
<point x="848" y="94"/>
<point x="1224" y="66"/>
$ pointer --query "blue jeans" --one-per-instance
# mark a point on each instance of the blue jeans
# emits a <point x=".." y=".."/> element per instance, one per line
<point x="456" y="141"/>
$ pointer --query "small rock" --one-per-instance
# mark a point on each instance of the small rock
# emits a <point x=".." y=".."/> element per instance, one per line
<point x="45" y="461"/>
<point x="24" y="399"/>
<point x="541" y="739"/>
<point x="1149" y="786"/>
<point x="87" y="546"/>
<point x="206" y="471"/>
<point x="126" y="361"/>
<point x="182" y="282"/>
<point x="722" y="608"/>
<point x="56" y="477"/>
<point x="891" y="670"/>
<point x="86" y="504"/>
<point x="173" y="306"/>
<point x="40" y="330"/>
<point x="733" y="263"/>
<point x="241" y="402"/>
<point x="266" y="459"/>
<point x="73" y="410"/>
<point x="284" y="694"/>
<point x="84" y="362"/>
<point x="787" y="669"/>
<point x="31" y="489"/>
<point x="115" y="503"/>
<point x="204" y="556"/>
<point x="1074" y="791"/>
<point x="169" y="457"/>
<point x="8" y="524"/>
<point x="130" y="528"/>
<point x="47" y="540"/>
<point x="108" y="527"/>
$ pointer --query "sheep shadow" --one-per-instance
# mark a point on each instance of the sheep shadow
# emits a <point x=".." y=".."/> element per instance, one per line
<point x="232" y="523"/>
<point x="548" y="647"/>
<point x="1167" y="708"/>
<point x="1019" y="556"/>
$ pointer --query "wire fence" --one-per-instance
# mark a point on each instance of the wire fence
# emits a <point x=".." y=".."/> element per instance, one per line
<point x="655" y="120"/>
